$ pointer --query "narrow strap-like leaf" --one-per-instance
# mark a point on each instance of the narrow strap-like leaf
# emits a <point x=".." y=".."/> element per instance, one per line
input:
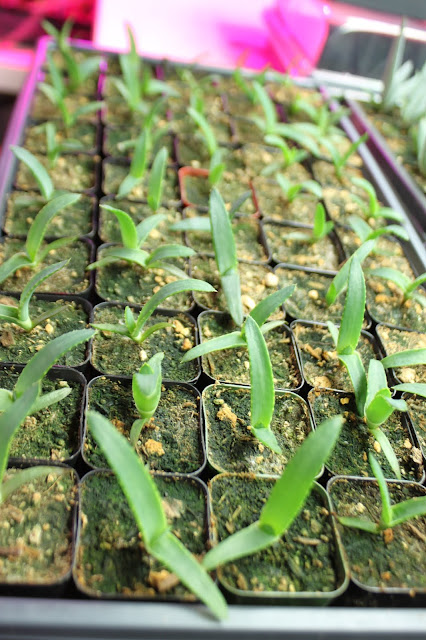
<point x="268" y="305"/>
<point x="406" y="358"/>
<point x="132" y="475"/>
<point x="38" y="228"/>
<point x="408" y="509"/>
<point x="416" y="283"/>
<point x="267" y="105"/>
<point x="17" y="261"/>
<point x="270" y="326"/>
<point x="148" y="332"/>
<point x="206" y="129"/>
<point x="353" y="311"/>
<point x="44" y="359"/>
<point x="25" y="476"/>
<point x="156" y="179"/>
<point x="386" y="515"/>
<point x="226" y="255"/>
<point x="397" y="277"/>
<point x="85" y="109"/>
<point x="356" y="371"/>
<point x="7" y="312"/>
<point x="50" y="398"/>
<point x="388" y="451"/>
<point x="359" y="523"/>
<point x="32" y="285"/>
<point x="12" y="418"/>
<point x="127" y="185"/>
<point x="53" y="246"/>
<point x="145" y="227"/>
<point x="341" y="278"/>
<point x="129" y="319"/>
<point x="170" y="289"/>
<point x="228" y="341"/>
<point x="242" y="543"/>
<point x="419" y="388"/>
<point x="167" y="251"/>
<point x="198" y="223"/>
<point x="291" y="490"/>
<point x="237" y="204"/>
<point x="170" y="551"/>
<point x="140" y="156"/>
<point x="114" y="328"/>
<point x="377" y="381"/>
<point x="132" y="256"/>
<point x="262" y="392"/>
<point x="40" y="174"/>
<point x="129" y="235"/>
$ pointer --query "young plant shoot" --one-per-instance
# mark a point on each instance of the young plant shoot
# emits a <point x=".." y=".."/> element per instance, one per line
<point x="133" y="237"/>
<point x="57" y="93"/>
<point x="364" y="232"/>
<point x="135" y="328"/>
<point x="217" y="166"/>
<point x="40" y="174"/>
<point x="320" y="230"/>
<point x="145" y="502"/>
<point x="285" y="501"/>
<point x="34" y="254"/>
<point x="372" y="208"/>
<point x="20" y="315"/>
<point x="146" y="388"/>
<point x="26" y="399"/>
<point x="340" y="160"/>
<point x="290" y="155"/>
<point x="54" y="149"/>
<point x="373" y="397"/>
<point x="77" y="72"/>
<point x="408" y="287"/>
<point x="391" y="515"/>
<point x="293" y="190"/>
<point x="137" y="83"/>
<point x="203" y="223"/>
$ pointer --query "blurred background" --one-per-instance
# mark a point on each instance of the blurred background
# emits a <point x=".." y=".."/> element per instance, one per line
<point x="295" y="36"/>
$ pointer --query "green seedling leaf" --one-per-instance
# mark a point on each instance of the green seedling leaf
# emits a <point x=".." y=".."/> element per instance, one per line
<point x="26" y="295"/>
<point x="146" y="388"/>
<point x="388" y="451"/>
<point x="217" y="167"/>
<point x="26" y="476"/>
<point x="156" y="179"/>
<point x="40" y="174"/>
<point x="14" y="263"/>
<point x="356" y="371"/>
<point x="205" y="128"/>
<point x="145" y="502"/>
<point x="358" y="523"/>
<point x="262" y="393"/>
<point x="285" y="500"/>
<point x="226" y="255"/>
<point x="268" y="107"/>
<point x="419" y="388"/>
<point x="46" y="400"/>
<point x="321" y="227"/>
<point x="268" y="305"/>
<point x="129" y="234"/>
<point x="53" y="246"/>
<point x="237" y="204"/>
<point x="170" y="289"/>
<point x="198" y="223"/>
<point x="44" y="359"/>
<point x="408" y="510"/>
<point x="228" y="341"/>
<point x="340" y="280"/>
<point x="353" y="312"/>
<point x="38" y="228"/>
<point x="145" y="227"/>
<point x="406" y="358"/>
<point x="167" y="251"/>
<point x="401" y="280"/>
<point x="85" y="109"/>
<point x="12" y="418"/>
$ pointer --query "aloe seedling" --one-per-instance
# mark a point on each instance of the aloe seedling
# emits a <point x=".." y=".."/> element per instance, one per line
<point x="372" y="208"/>
<point x="145" y="502"/>
<point x="364" y="232"/>
<point x="203" y="223"/>
<point x="26" y="399"/>
<point x="146" y="388"/>
<point x="391" y="515"/>
<point x="320" y="230"/>
<point x="340" y="160"/>
<point x="322" y="117"/>
<point x="292" y="190"/>
<point x="34" y="254"/>
<point x="77" y="72"/>
<point x="38" y="171"/>
<point x="20" y="315"/>
<point x="285" y="501"/>
<point x="407" y="286"/>
<point x="373" y="398"/>
<point x="135" y="328"/>
<point x="57" y="93"/>
<point x="290" y="155"/>
<point x="217" y="166"/>
<point x="137" y="83"/>
<point x="54" y="149"/>
<point x="133" y="237"/>
<point x="138" y="168"/>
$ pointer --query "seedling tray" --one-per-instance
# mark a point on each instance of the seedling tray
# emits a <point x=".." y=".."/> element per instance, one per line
<point x="74" y="616"/>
